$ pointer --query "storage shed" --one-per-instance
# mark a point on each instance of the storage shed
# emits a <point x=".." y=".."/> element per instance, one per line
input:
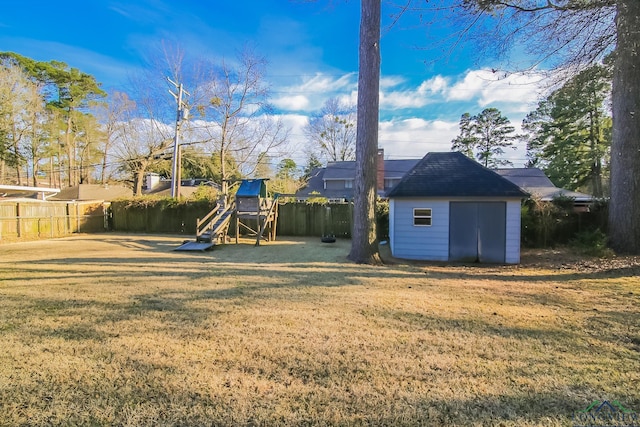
<point x="451" y="208"/>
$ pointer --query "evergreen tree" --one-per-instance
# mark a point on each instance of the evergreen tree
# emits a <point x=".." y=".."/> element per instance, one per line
<point x="581" y="33"/>
<point x="485" y="135"/>
<point x="312" y="163"/>
<point x="68" y="92"/>
<point x="466" y="141"/>
<point x="287" y="179"/>
<point x="569" y="134"/>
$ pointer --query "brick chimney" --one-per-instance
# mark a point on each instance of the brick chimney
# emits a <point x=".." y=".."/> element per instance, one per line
<point x="380" y="169"/>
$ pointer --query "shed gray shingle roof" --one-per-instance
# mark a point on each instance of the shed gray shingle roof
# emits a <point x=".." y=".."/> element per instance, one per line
<point x="453" y="175"/>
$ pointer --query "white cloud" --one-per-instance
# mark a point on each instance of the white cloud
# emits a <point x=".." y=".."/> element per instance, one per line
<point x="295" y="147"/>
<point x="295" y="121"/>
<point x="313" y="92"/>
<point x="415" y="137"/>
<point x="518" y="89"/>
<point x="489" y="87"/>
<point x="416" y="97"/>
<point x="437" y="84"/>
<point x="387" y="82"/>
<point x="291" y="103"/>
<point x="321" y="83"/>
<point x="470" y="87"/>
<point x="399" y="100"/>
<point x="420" y="118"/>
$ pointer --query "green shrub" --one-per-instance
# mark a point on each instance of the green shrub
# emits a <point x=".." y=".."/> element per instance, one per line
<point x="204" y="192"/>
<point x="382" y="219"/>
<point x="591" y="242"/>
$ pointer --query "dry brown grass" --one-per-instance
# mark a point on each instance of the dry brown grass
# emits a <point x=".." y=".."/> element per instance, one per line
<point x="121" y="330"/>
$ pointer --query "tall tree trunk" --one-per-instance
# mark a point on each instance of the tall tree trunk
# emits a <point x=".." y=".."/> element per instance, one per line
<point x="138" y="180"/>
<point x="33" y="149"/>
<point x="103" y="172"/>
<point x="624" y="207"/>
<point x="595" y="140"/>
<point x="16" y="152"/>
<point x="224" y="185"/>
<point x="364" y="242"/>
<point x="70" y="152"/>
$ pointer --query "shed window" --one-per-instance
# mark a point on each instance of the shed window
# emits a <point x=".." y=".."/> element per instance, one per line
<point x="422" y="217"/>
<point x="348" y="184"/>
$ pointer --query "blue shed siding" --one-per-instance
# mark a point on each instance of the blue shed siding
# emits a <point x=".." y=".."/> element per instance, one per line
<point x="512" y="253"/>
<point x="432" y="243"/>
<point x="419" y="242"/>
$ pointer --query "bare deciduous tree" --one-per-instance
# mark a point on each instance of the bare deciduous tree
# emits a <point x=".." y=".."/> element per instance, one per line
<point x="236" y="115"/>
<point x="333" y="131"/>
<point x="22" y="123"/>
<point x="112" y="114"/>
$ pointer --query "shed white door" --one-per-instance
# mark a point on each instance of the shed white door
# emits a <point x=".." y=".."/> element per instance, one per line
<point x="477" y="231"/>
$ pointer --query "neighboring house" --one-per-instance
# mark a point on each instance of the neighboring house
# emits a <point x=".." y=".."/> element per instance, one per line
<point x="105" y="192"/>
<point x="156" y="186"/>
<point x="537" y="184"/>
<point x="20" y="192"/>
<point x="451" y="208"/>
<point x="335" y="181"/>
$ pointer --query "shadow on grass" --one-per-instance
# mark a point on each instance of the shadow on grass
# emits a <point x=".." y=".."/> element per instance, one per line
<point x="558" y="276"/>
<point x="544" y="409"/>
<point x="420" y="321"/>
<point x="120" y="400"/>
<point x="196" y="295"/>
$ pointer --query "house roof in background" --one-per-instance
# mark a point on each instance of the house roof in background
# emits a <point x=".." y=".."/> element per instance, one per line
<point x="340" y="170"/>
<point x="347" y="169"/>
<point x="547" y="194"/>
<point x="93" y="192"/>
<point x="14" y="192"/>
<point x="535" y="182"/>
<point x="395" y="169"/>
<point x="315" y="184"/>
<point x="187" y="187"/>
<point x="398" y="168"/>
<point x="526" y="177"/>
<point x="453" y="174"/>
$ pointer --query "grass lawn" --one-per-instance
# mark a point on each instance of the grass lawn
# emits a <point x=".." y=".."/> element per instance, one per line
<point x="122" y="330"/>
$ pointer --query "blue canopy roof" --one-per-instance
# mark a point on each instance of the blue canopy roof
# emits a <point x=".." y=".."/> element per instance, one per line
<point x="252" y="188"/>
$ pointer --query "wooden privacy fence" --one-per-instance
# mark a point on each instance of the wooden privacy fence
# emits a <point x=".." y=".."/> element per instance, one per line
<point x="302" y="219"/>
<point x="162" y="216"/>
<point x="295" y="219"/>
<point x="34" y="220"/>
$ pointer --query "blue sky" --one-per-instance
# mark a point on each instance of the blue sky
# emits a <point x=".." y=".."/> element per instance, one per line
<point x="312" y="50"/>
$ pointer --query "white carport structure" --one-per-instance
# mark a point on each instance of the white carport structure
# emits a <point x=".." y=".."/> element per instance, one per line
<point x="22" y="191"/>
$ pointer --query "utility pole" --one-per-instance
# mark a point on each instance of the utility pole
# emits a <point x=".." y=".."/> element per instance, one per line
<point x="182" y="114"/>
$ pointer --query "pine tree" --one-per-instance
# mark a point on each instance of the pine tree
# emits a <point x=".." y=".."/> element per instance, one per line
<point x="569" y="134"/>
<point x="485" y="135"/>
